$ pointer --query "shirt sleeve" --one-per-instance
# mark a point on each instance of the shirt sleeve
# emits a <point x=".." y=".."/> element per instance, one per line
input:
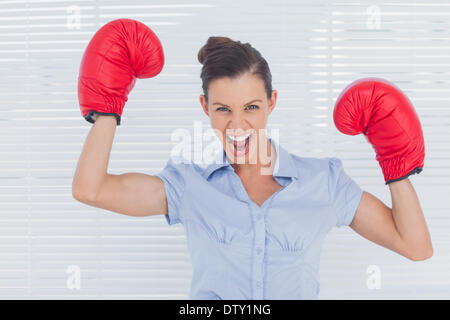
<point x="174" y="178"/>
<point x="345" y="193"/>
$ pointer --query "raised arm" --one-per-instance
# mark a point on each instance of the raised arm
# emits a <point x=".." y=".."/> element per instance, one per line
<point x="134" y="194"/>
<point x="121" y="51"/>
<point x="401" y="229"/>
<point x="384" y="114"/>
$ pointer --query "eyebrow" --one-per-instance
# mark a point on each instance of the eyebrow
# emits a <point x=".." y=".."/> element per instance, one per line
<point x="222" y="104"/>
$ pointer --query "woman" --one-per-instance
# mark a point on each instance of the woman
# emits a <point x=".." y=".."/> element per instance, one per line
<point x="255" y="221"/>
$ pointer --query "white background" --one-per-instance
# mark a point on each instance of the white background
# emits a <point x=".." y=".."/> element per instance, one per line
<point x="314" y="49"/>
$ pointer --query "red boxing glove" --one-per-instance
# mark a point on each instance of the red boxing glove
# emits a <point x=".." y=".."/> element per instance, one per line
<point x="386" y="117"/>
<point x="121" y="51"/>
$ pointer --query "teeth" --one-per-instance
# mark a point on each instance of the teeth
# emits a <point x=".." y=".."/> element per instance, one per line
<point x="238" y="138"/>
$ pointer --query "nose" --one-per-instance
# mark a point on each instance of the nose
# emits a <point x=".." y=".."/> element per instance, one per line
<point x="238" y="123"/>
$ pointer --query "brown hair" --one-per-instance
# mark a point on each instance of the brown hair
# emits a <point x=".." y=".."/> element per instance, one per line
<point x="223" y="57"/>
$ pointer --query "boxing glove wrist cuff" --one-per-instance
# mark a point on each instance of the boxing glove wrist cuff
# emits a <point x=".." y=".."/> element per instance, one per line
<point x="416" y="170"/>
<point x="94" y="98"/>
<point x="396" y="169"/>
<point x="92" y="115"/>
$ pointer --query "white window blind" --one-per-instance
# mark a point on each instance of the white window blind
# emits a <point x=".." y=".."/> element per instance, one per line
<point x="314" y="48"/>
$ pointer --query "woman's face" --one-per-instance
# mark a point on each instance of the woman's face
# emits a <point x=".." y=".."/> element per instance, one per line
<point x="238" y="109"/>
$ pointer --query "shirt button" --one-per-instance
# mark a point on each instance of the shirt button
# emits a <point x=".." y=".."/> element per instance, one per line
<point x="259" y="216"/>
<point x="258" y="250"/>
<point x="258" y="284"/>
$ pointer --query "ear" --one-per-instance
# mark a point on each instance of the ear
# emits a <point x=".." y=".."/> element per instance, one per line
<point x="273" y="101"/>
<point x="204" y="104"/>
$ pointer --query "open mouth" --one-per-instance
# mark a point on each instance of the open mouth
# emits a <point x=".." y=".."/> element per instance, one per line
<point x="240" y="143"/>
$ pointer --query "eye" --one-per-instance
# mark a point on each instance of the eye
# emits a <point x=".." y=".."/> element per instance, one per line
<point x="253" y="105"/>
<point x="222" y="109"/>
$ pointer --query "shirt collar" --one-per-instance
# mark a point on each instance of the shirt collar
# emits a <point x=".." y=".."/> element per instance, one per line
<point x="284" y="164"/>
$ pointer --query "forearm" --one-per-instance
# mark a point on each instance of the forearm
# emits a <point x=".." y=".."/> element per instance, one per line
<point x="409" y="219"/>
<point x="93" y="162"/>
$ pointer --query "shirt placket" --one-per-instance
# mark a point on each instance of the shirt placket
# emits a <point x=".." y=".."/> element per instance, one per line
<point x="258" y="252"/>
<point x="257" y="214"/>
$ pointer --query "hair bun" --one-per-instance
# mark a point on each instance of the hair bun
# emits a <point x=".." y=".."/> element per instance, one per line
<point x="211" y="44"/>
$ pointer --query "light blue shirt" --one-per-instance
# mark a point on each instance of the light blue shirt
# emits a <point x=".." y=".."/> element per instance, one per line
<point x="240" y="250"/>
